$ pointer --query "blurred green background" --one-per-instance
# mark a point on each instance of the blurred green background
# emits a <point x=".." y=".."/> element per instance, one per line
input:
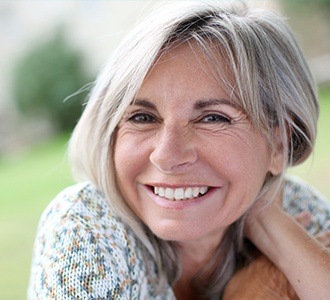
<point x="50" y="52"/>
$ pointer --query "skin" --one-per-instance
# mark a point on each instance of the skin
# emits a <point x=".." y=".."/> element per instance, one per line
<point x="174" y="136"/>
<point x="183" y="130"/>
<point x="304" y="260"/>
<point x="262" y="279"/>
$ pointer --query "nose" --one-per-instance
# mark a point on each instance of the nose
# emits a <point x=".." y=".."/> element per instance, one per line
<point x="174" y="150"/>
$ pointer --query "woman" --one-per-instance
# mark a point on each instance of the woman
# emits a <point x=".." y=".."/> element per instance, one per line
<point x="184" y="144"/>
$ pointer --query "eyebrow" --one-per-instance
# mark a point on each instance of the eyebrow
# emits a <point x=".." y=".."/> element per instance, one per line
<point x="200" y="104"/>
<point x="144" y="103"/>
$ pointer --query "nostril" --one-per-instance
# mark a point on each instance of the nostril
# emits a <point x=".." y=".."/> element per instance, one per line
<point x="173" y="160"/>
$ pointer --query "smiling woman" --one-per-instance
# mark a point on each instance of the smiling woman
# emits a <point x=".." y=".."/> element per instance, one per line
<point x="180" y="136"/>
<point x="184" y="144"/>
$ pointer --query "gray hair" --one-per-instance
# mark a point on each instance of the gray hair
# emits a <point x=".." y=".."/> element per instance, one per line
<point x="266" y="74"/>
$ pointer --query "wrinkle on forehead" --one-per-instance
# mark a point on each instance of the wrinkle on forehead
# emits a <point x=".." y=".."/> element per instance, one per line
<point x="212" y="60"/>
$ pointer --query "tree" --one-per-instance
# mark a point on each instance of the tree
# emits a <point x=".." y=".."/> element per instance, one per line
<point x="46" y="77"/>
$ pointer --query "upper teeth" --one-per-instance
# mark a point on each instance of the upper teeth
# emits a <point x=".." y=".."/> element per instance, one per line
<point x="180" y="193"/>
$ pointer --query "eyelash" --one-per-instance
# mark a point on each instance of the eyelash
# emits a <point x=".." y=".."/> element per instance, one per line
<point x="216" y="118"/>
<point x="147" y="118"/>
<point x="142" y="118"/>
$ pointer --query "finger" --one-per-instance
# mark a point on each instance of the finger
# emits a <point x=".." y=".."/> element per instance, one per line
<point x="304" y="218"/>
<point x="324" y="238"/>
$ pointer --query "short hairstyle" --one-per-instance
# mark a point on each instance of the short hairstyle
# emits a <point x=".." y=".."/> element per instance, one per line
<point x="266" y="74"/>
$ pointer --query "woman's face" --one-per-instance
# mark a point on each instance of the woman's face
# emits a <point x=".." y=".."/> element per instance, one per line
<point x="187" y="160"/>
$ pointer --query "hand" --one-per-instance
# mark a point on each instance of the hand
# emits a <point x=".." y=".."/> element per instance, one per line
<point x="304" y="219"/>
<point x="261" y="279"/>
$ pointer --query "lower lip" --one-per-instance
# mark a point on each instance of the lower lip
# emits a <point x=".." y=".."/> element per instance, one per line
<point x="179" y="205"/>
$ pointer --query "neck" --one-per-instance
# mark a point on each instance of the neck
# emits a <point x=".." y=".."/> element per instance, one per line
<point x="194" y="255"/>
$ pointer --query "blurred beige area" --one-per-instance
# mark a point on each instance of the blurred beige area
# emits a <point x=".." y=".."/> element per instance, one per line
<point x="96" y="27"/>
<point x="31" y="175"/>
<point x="93" y="27"/>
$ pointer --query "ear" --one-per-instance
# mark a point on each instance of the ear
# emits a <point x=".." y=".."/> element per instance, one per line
<point x="277" y="153"/>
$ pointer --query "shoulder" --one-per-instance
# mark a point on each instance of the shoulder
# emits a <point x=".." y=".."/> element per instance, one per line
<point x="83" y="249"/>
<point x="74" y="201"/>
<point x="83" y="208"/>
<point x="81" y="205"/>
<point x="299" y="196"/>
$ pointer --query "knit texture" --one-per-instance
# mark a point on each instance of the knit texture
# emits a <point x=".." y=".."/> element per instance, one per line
<point x="84" y="251"/>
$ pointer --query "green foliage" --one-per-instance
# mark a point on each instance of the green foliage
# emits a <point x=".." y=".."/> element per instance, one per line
<point x="315" y="2"/>
<point x="306" y="6"/>
<point x="316" y="170"/>
<point x="46" y="76"/>
<point x="28" y="182"/>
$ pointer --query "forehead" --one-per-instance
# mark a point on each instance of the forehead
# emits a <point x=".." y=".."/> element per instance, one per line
<point x="186" y="71"/>
<point x="189" y="55"/>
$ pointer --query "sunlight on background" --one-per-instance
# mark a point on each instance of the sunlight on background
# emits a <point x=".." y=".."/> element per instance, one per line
<point x="50" y="50"/>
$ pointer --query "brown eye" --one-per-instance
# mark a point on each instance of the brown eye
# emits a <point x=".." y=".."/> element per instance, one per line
<point x="141" y="118"/>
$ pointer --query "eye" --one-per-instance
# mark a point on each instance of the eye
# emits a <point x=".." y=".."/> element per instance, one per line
<point x="141" y="118"/>
<point x="215" y="118"/>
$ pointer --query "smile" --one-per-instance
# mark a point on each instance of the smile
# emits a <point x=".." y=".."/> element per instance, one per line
<point x="179" y="194"/>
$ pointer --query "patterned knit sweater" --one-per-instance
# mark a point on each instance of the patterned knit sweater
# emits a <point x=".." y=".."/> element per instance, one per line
<point x="84" y="251"/>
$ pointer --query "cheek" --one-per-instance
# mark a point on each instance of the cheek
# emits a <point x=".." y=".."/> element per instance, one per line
<point x="130" y="158"/>
<point x="252" y="165"/>
<point x="122" y="159"/>
<point x="126" y="168"/>
<point x="241" y="155"/>
<point x="244" y="161"/>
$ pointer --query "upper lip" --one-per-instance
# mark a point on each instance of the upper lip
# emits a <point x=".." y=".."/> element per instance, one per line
<point x="175" y="186"/>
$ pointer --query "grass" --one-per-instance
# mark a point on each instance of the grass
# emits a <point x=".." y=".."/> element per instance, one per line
<point x="316" y="170"/>
<point x="30" y="180"/>
<point x="27" y="183"/>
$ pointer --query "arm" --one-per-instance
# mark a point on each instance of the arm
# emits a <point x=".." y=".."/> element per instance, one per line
<point x="303" y="260"/>
<point x="261" y="279"/>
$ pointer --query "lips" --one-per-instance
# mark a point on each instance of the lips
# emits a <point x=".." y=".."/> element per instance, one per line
<point x="181" y="193"/>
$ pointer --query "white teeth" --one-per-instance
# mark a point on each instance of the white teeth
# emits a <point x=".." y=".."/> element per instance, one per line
<point x="180" y="193"/>
<point x="188" y="193"/>
<point x="203" y="190"/>
<point x="195" y="191"/>
<point x="161" y="192"/>
<point x="169" y="193"/>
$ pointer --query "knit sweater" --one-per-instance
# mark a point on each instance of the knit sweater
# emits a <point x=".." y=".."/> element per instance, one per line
<point x="83" y="250"/>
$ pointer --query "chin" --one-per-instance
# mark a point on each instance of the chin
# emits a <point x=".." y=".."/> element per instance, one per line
<point x="171" y="233"/>
<point x="184" y="234"/>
